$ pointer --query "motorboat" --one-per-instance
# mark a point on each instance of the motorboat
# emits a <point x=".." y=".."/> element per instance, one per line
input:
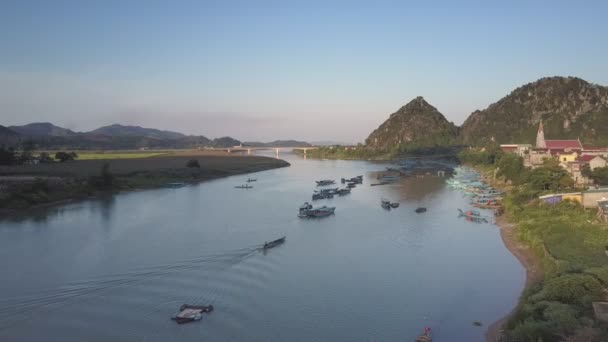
<point x="271" y="244"/>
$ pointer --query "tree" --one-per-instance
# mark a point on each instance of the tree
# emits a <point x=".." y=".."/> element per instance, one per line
<point x="600" y="175"/>
<point x="550" y="176"/>
<point x="65" y="156"/>
<point x="511" y="166"/>
<point x="7" y="156"/>
<point x="193" y="163"/>
<point x="26" y="152"/>
<point x="44" y="157"/>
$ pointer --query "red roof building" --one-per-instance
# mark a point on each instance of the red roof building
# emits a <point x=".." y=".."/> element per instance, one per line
<point x="564" y="145"/>
<point x="586" y="158"/>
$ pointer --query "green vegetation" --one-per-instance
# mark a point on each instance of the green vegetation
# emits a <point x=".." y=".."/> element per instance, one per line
<point x="570" y="244"/>
<point x="363" y="152"/>
<point x="598" y="175"/>
<point x="65" y="156"/>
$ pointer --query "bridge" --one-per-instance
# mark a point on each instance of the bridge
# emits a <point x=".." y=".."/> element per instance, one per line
<point x="249" y="149"/>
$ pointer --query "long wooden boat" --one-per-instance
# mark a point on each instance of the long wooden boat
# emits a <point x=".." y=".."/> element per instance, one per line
<point x="271" y="244"/>
<point x="244" y="186"/>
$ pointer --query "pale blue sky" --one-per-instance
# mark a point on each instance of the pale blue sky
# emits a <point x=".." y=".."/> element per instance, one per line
<point x="265" y="70"/>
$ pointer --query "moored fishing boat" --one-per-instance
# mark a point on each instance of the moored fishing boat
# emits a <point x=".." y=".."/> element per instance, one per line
<point x="249" y="180"/>
<point x="244" y="186"/>
<point x="324" y="182"/>
<point x="343" y="192"/>
<point x="384" y="203"/>
<point x="317" y="212"/>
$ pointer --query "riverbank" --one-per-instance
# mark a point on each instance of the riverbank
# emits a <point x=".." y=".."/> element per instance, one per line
<point x="25" y="187"/>
<point x="531" y="263"/>
<point x="562" y="248"/>
<point x="528" y="259"/>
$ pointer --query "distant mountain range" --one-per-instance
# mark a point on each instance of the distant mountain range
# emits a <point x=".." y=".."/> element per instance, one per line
<point x="569" y="108"/>
<point x="47" y="135"/>
<point x="120" y="130"/>
<point x="42" y="129"/>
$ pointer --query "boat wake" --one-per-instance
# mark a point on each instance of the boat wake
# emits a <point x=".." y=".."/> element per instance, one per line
<point x="14" y="310"/>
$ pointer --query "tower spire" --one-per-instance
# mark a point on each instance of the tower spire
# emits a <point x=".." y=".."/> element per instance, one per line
<point x="540" y="136"/>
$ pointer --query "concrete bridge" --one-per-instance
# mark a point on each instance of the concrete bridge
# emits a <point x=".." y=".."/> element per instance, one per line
<point x="242" y="149"/>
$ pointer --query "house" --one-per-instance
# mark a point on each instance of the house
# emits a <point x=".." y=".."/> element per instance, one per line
<point x="593" y="161"/>
<point x="536" y="157"/>
<point x="519" y="149"/>
<point x="575" y="169"/>
<point x="596" y="151"/>
<point x="567" y="157"/>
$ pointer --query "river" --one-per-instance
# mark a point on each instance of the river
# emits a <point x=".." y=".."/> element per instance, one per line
<point x="116" y="269"/>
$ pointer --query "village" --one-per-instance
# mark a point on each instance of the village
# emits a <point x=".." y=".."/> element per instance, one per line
<point x="576" y="159"/>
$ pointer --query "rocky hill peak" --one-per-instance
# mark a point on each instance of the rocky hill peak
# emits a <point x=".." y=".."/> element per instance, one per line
<point x="417" y="124"/>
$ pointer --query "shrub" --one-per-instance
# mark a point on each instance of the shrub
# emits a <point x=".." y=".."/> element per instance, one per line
<point x="65" y="156"/>
<point x="193" y="163"/>
<point x="571" y="289"/>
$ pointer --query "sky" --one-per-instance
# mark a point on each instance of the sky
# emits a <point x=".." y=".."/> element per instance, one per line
<point x="266" y="70"/>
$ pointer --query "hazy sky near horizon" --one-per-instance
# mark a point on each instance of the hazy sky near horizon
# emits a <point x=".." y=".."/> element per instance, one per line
<point x="265" y="70"/>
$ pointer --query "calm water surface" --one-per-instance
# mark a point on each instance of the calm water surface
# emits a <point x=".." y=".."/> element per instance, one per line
<point x="116" y="269"/>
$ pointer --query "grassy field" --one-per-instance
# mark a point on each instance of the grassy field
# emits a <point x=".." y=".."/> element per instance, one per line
<point x="24" y="186"/>
<point x="119" y="155"/>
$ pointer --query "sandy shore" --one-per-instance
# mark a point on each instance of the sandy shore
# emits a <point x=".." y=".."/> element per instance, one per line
<point x="526" y="257"/>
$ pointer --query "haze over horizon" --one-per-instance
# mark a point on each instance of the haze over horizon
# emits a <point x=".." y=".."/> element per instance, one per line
<point x="272" y="70"/>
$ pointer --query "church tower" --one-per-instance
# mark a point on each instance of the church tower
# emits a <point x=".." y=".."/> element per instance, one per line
<point x="540" y="137"/>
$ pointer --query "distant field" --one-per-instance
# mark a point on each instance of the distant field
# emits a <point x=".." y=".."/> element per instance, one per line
<point x="168" y="163"/>
<point x="119" y="155"/>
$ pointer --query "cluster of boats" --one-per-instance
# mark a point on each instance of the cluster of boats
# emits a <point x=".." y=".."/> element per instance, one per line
<point x="308" y="211"/>
<point x="329" y="193"/>
<point x="482" y="194"/>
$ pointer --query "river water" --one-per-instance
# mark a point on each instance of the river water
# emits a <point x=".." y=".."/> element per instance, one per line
<point x="116" y="269"/>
